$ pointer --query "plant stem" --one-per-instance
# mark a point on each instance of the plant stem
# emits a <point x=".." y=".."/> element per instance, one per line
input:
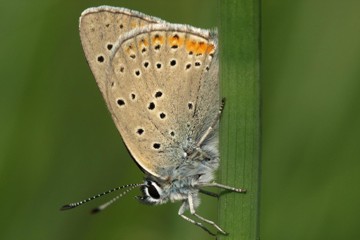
<point x="239" y="35"/>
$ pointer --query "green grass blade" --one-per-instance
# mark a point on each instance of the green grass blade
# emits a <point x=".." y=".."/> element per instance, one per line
<point x="239" y="34"/>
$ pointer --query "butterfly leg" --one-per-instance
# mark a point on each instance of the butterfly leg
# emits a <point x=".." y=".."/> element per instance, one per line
<point x="218" y="185"/>
<point x="213" y="125"/>
<point x="193" y="212"/>
<point x="211" y="223"/>
<point x="190" y="204"/>
<point x="211" y="194"/>
<point x="181" y="214"/>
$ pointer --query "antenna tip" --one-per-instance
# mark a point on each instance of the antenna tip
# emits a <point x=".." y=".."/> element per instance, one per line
<point x="67" y="207"/>
<point x="95" y="210"/>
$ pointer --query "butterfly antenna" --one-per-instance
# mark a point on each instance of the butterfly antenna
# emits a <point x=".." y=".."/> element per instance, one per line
<point x="76" y="204"/>
<point x="105" y="205"/>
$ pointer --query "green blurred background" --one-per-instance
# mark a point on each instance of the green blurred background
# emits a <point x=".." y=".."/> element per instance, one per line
<point x="58" y="143"/>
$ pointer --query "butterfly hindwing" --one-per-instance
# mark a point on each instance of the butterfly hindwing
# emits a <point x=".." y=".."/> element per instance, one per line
<point x="157" y="87"/>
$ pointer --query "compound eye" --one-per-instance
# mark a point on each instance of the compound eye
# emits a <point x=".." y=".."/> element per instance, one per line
<point x="153" y="192"/>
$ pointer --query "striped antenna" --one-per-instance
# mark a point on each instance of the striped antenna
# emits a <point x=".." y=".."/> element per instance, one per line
<point x="105" y="205"/>
<point x="76" y="204"/>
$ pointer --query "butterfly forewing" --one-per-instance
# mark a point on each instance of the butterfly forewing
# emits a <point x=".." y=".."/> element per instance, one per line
<point x="100" y="29"/>
<point x="157" y="79"/>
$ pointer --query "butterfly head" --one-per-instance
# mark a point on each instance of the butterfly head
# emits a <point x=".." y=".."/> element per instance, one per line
<point x="153" y="193"/>
<point x="157" y="191"/>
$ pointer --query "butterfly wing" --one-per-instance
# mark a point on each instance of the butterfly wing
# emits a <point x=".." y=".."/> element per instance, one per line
<point x="100" y="28"/>
<point x="162" y="92"/>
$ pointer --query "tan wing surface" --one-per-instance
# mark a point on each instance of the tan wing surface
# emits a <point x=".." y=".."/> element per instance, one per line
<point x="162" y="91"/>
<point x="100" y="28"/>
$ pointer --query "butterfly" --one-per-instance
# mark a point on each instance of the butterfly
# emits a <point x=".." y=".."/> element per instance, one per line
<point x="160" y="83"/>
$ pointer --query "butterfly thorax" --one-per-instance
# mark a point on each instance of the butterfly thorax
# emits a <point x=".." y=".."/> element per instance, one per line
<point x="195" y="170"/>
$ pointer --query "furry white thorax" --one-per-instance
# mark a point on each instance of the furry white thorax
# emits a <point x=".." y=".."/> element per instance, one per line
<point x="196" y="169"/>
